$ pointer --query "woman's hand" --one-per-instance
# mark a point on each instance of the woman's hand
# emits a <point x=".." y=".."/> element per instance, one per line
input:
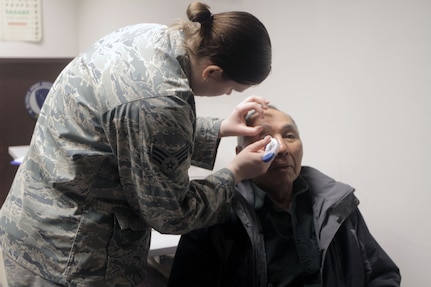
<point x="249" y="163"/>
<point x="235" y="124"/>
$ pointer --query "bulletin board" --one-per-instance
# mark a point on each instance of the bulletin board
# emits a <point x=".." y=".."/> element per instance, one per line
<point x="21" y="20"/>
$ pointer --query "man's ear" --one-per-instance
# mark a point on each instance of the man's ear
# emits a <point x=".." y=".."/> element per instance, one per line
<point x="212" y="71"/>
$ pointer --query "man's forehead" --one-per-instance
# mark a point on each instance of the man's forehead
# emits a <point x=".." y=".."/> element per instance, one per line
<point x="254" y="118"/>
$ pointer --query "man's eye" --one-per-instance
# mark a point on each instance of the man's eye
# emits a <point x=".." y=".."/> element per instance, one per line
<point x="289" y="136"/>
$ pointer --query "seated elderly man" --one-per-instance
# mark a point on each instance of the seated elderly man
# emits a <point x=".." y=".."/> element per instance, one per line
<point x="293" y="226"/>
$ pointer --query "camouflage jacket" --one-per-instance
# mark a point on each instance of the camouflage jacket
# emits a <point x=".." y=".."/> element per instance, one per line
<point x="109" y="160"/>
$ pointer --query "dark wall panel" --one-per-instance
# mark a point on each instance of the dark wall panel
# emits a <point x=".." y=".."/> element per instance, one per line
<point x="16" y="124"/>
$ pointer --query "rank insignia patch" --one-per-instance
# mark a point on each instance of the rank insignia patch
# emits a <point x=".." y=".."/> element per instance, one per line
<point x="171" y="152"/>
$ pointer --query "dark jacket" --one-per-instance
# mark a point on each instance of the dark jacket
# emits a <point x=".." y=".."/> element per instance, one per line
<point x="233" y="253"/>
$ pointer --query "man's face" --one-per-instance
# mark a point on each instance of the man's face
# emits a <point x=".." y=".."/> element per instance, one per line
<point x="286" y="167"/>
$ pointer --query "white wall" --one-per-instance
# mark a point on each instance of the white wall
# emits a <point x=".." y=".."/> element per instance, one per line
<point x="99" y="17"/>
<point x="354" y="74"/>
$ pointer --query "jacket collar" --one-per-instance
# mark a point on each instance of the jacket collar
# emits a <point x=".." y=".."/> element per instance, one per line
<point x="332" y="201"/>
<point x="322" y="187"/>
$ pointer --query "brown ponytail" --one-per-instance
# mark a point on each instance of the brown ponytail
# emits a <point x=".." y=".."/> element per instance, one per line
<point x="236" y="41"/>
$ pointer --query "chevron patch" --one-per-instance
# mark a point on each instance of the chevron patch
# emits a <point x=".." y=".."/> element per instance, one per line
<point x="167" y="161"/>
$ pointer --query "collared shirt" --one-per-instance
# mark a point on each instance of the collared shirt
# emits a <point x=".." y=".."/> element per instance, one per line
<point x="292" y="251"/>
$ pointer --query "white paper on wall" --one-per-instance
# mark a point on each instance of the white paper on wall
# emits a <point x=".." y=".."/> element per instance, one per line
<point x="21" y="20"/>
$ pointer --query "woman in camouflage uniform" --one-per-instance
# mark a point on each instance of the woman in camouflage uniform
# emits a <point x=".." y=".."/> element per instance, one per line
<point x="111" y="150"/>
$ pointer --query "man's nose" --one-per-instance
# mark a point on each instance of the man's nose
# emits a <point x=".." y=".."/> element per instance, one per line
<point x="283" y="147"/>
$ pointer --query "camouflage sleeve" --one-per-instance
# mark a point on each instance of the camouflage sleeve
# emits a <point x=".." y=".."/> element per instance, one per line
<point x="153" y="140"/>
<point x="206" y="142"/>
